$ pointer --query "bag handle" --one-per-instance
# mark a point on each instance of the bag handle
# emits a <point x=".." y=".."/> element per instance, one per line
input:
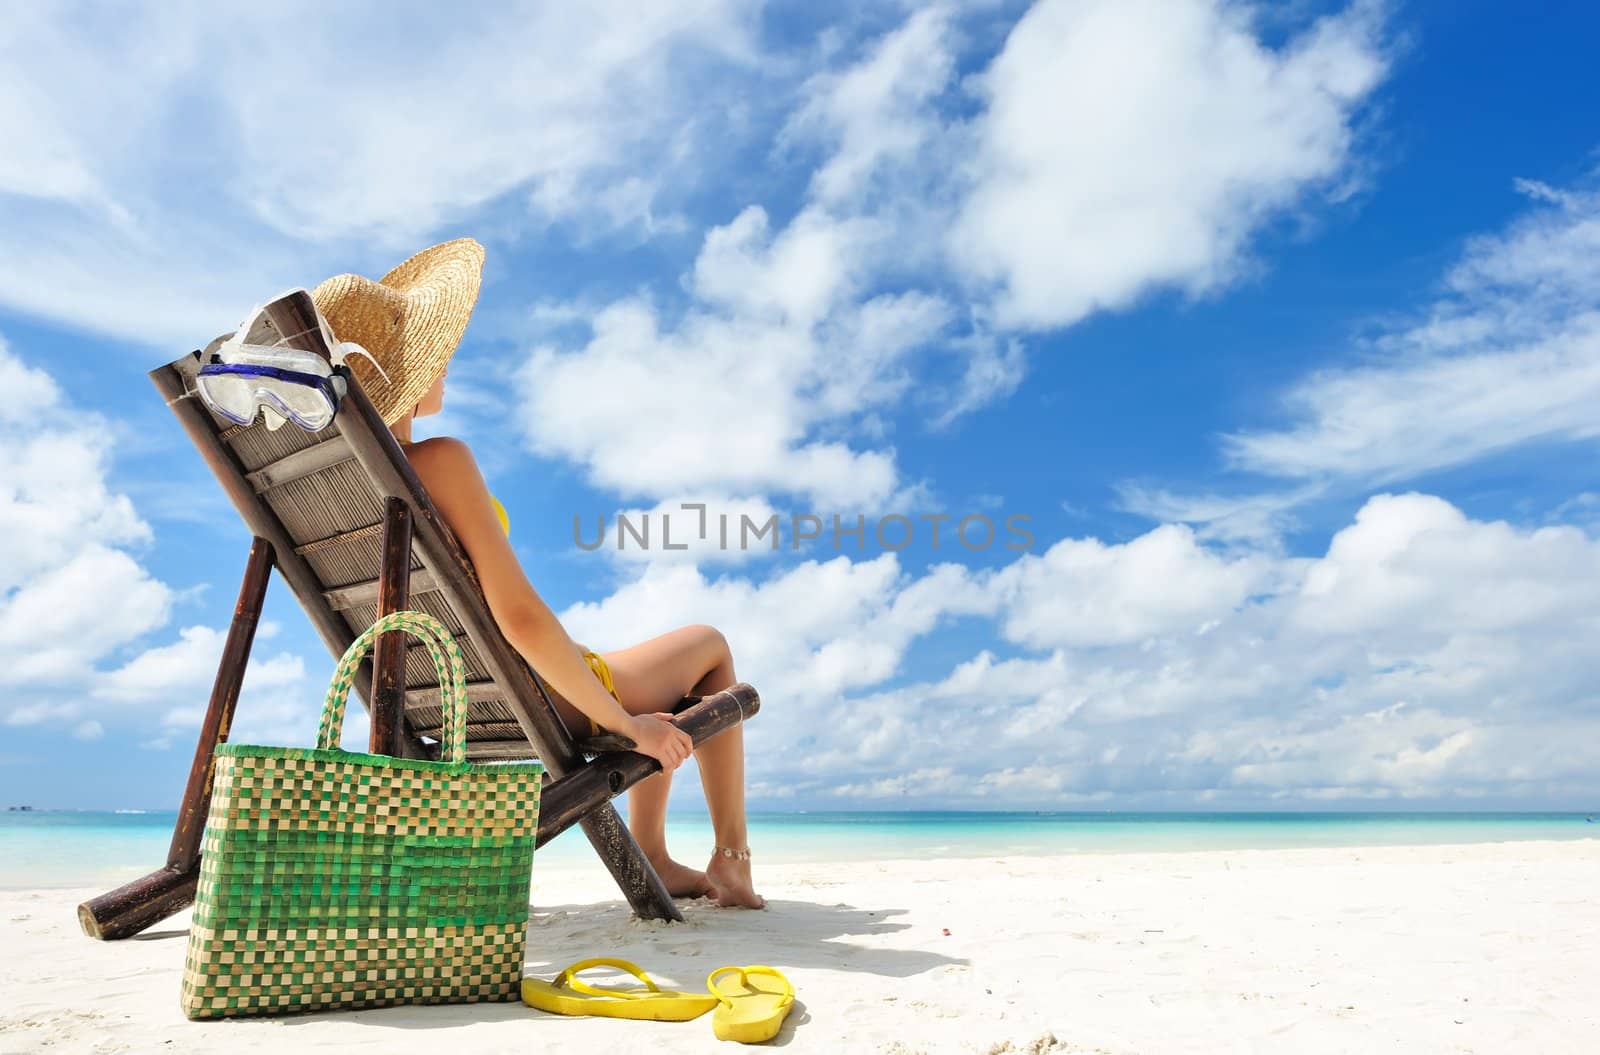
<point x="452" y="679"/>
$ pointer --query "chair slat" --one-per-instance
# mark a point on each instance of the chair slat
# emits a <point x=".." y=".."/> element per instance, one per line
<point x="506" y="730"/>
<point x="516" y="750"/>
<point x="341" y="598"/>
<point x="301" y="463"/>
<point x="431" y="696"/>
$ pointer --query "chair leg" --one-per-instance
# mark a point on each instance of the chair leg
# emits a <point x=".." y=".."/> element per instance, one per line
<point x="575" y="797"/>
<point x="619" y="767"/>
<point x="134" y="906"/>
<point x="640" y="884"/>
<point x="611" y="839"/>
<point x="389" y="657"/>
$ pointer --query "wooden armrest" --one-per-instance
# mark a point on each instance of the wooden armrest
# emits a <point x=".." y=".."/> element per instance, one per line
<point x="613" y="772"/>
<point x="599" y="745"/>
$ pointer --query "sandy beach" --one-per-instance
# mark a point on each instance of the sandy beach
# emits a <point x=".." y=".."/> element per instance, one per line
<point x="1473" y="948"/>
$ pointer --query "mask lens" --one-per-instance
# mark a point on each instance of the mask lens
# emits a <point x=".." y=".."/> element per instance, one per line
<point x="235" y="391"/>
<point x="302" y="404"/>
<point x="229" y="395"/>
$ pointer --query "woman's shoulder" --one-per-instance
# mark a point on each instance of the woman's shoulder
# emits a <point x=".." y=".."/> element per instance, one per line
<point x="437" y="449"/>
<point x="448" y="473"/>
<point x="431" y="443"/>
<point x="440" y="460"/>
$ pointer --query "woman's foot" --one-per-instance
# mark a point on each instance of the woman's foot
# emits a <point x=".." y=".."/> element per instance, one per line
<point x="681" y="880"/>
<point x="731" y="879"/>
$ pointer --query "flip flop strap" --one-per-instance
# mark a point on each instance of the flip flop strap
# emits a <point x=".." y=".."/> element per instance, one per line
<point x="568" y="978"/>
<point x="744" y="973"/>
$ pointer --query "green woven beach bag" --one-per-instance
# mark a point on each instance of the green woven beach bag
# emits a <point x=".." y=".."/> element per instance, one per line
<point x="331" y="878"/>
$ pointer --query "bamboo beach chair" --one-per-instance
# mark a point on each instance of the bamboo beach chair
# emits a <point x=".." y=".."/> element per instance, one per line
<point x="343" y="517"/>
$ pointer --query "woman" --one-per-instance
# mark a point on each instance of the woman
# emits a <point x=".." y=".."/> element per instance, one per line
<point x="411" y="321"/>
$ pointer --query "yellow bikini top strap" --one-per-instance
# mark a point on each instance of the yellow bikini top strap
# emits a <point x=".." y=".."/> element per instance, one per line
<point x="602" y="669"/>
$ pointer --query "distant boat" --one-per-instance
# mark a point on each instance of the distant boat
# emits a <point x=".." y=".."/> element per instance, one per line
<point x="21" y="809"/>
<point x="131" y="811"/>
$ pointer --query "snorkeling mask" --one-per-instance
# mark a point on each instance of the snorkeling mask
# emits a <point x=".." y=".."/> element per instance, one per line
<point x="260" y="369"/>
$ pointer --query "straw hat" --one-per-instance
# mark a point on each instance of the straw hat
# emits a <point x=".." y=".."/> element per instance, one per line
<point x="410" y="320"/>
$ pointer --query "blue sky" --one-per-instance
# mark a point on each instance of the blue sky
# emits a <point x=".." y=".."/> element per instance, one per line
<point x="1278" y="323"/>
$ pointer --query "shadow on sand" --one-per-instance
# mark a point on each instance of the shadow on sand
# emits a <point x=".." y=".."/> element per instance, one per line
<point x="787" y="935"/>
<point x="161" y="935"/>
<point x="809" y="935"/>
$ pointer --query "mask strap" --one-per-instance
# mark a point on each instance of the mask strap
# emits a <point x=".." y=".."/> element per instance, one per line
<point x="339" y="350"/>
<point x="237" y="339"/>
<point x="349" y="348"/>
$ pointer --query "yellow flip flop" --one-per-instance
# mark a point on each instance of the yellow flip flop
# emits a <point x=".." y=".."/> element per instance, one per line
<point x="569" y="996"/>
<point x="753" y="1009"/>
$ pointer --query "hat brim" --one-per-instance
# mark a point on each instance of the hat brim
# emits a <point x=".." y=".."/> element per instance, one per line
<point x="411" y="320"/>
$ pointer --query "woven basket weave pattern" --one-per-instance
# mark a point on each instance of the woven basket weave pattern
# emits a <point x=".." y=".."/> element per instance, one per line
<point x="336" y="879"/>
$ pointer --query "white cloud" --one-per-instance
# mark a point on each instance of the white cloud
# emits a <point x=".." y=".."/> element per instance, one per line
<point x="798" y="275"/>
<point x="1581" y="510"/>
<point x="1425" y="655"/>
<point x="1413" y="565"/>
<point x="489" y="100"/>
<point x="1394" y="422"/>
<point x="36" y="713"/>
<point x="1105" y="165"/>
<point x="995" y="368"/>
<point x="68" y="594"/>
<point x="819" y="626"/>
<point x="688" y="409"/>
<point x="801" y="637"/>
<point x="806" y="330"/>
<point x="1132" y="144"/>
<point x="1255" y="517"/>
<point x="34" y="391"/>
<point x="735" y="396"/>
<point x="59" y="622"/>
<point x="72" y="595"/>
<point x="266" y="137"/>
<point x="876" y="113"/>
<point x="1507" y="355"/>
<point x="1081" y="592"/>
<point x="278" y="703"/>
<point x="54" y="502"/>
<point x="186" y="669"/>
<point x="781" y="350"/>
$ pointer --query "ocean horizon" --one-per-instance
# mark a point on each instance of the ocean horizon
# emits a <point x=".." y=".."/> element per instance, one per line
<point x="56" y="848"/>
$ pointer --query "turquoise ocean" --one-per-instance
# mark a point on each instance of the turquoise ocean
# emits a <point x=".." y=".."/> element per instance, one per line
<point x="69" y="848"/>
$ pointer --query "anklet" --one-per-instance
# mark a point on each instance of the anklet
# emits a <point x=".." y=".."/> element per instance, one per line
<point x="728" y="851"/>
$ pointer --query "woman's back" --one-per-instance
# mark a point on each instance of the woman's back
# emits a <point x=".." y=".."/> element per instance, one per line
<point x="432" y="480"/>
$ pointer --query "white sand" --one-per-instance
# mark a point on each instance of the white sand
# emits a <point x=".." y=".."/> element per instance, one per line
<point x="1487" y="948"/>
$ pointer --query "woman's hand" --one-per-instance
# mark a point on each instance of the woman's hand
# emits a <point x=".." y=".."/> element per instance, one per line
<point x="660" y="739"/>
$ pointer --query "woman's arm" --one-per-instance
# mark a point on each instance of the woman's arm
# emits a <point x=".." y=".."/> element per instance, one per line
<point x="455" y="484"/>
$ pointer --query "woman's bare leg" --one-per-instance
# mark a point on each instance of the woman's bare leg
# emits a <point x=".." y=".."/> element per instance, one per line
<point x="645" y="676"/>
<point x="652" y="677"/>
<point x="721" y="762"/>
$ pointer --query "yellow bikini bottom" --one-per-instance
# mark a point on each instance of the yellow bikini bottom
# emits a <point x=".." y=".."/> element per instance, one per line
<point x="602" y="671"/>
